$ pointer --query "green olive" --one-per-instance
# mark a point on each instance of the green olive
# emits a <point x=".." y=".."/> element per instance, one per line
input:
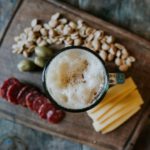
<point x="26" y="65"/>
<point x="42" y="51"/>
<point x="40" y="61"/>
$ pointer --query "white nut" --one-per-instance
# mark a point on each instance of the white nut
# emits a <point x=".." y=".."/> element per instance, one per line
<point x="118" y="54"/>
<point x="74" y="35"/>
<point x="60" y="40"/>
<point x="110" y="57"/>
<point x="46" y="26"/>
<point x="34" y="22"/>
<point x="31" y="36"/>
<point x="78" y="42"/>
<point x="112" y="50"/>
<point x="123" y="67"/>
<point x="55" y="16"/>
<point x="119" y="46"/>
<point x="103" y="55"/>
<point x="95" y="44"/>
<point x="124" y="56"/>
<point x="90" y="38"/>
<point x="49" y="41"/>
<point x="29" y="44"/>
<point x="110" y="39"/>
<point x="118" y="61"/>
<point x="82" y="31"/>
<point x="73" y="25"/>
<point x="89" y="30"/>
<point x="60" y="28"/>
<point x="132" y="59"/>
<point x="79" y="23"/>
<point x="105" y="46"/>
<point x="67" y="30"/>
<point x="43" y="31"/>
<point x="103" y="40"/>
<point x="37" y="28"/>
<point x="52" y="33"/>
<point x="53" y="23"/>
<point x="68" y="41"/>
<point x="38" y="40"/>
<point x="128" y="62"/>
<point x="25" y="54"/>
<point x="42" y="43"/>
<point x="63" y="21"/>
<point x="124" y="51"/>
<point x="54" y="40"/>
<point x="45" y="37"/>
<point x="98" y="34"/>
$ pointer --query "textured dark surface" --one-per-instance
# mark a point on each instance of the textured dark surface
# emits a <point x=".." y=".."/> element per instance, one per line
<point x="133" y="17"/>
<point x="32" y="139"/>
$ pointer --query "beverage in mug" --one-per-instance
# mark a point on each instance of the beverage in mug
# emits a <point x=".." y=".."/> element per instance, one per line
<point x="76" y="79"/>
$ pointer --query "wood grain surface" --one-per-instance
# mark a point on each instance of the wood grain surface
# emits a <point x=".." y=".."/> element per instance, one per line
<point x="75" y="126"/>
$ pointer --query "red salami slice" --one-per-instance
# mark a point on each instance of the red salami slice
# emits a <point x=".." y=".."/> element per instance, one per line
<point x="38" y="102"/>
<point x="30" y="97"/>
<point x="55" y="116"/>
<point x="12" y="92"/>
<point x="44" y="109"/>
<point x="6" y="84"/>
<point x="23" y="93"/>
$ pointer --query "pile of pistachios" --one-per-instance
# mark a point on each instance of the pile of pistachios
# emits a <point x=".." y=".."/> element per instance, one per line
<point x="59" y="30"/>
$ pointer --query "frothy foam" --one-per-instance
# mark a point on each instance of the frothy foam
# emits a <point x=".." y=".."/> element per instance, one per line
<point x="74" y="78"/>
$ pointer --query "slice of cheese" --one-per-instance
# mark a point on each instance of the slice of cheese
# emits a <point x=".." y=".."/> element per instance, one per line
<point x="120" y="121"/>
<point x="132" y="99"/>
<point x="99" y="126"/>
<point x="120" y="90"/>
<point x="103" y="110"/>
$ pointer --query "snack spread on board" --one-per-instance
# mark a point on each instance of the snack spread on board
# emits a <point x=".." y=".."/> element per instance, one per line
<point x="75" y="79"/>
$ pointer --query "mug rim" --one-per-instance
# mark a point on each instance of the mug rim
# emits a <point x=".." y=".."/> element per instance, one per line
<point x="96" y="100"/>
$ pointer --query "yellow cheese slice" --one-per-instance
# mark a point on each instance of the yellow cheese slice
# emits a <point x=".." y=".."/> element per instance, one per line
<point x="120" y="90"/>
<point x="132" y="99"/>
<point x="103" y="110"/>
<point x="120" y="121"/>
<point x="99" y="126"/>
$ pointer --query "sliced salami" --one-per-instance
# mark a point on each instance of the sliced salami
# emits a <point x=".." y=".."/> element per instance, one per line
<point x="23" y="93"/>
<point x="38" y="102"/>
<point x="12" y="92"/>
<point x="30" y="98"/>
<point x="44" y="109"/>
<point x="6" y="84"/>
<point x="55" y="116"/>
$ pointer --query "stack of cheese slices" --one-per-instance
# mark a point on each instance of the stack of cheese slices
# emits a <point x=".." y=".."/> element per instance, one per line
<point x="121" y="102"/>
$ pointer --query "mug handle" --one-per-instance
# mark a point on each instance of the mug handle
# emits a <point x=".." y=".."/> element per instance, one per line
<point x="116" y="78"/>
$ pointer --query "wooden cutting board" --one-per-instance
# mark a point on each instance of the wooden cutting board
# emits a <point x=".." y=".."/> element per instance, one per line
<point x="78" y="126"/>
